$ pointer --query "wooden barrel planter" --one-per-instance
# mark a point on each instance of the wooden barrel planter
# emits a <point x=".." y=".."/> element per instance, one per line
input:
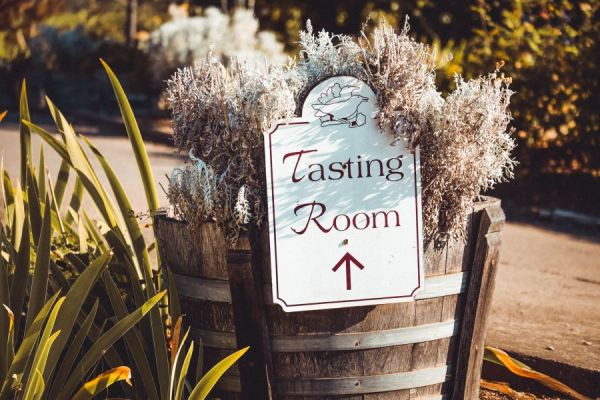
<point x="427" y="349"/>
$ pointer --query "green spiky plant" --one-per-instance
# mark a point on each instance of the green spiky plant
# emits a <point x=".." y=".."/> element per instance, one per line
<point x="51" y="246"/>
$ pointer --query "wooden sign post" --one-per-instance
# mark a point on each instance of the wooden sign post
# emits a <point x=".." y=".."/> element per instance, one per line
<point x="344" y="205"/>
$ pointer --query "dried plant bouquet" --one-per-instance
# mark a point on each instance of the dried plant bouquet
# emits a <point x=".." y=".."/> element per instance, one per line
<point x="220" y="114"/>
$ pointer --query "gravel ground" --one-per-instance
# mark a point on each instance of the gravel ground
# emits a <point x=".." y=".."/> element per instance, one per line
<point x="489" y="395"/>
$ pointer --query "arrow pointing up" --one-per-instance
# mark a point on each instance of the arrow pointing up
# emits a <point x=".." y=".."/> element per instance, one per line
<point x="347" y="259"/>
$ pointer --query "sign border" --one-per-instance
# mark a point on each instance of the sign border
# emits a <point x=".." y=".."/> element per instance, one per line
<point x="272" y="221"/>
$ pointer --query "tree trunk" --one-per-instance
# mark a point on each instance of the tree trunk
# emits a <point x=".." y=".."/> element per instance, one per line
<point x="131" y="22"/>
<point x="228" y="6"/>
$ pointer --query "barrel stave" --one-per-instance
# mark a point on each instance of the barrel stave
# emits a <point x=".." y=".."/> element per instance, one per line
<point x="299" y="370"/>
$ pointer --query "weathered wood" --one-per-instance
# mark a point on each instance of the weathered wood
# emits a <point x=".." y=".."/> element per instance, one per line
<point x="319" y="346"/>
<point x="364" y="384"/>
<point x="341" y="341"/>
<point x="192" y="251"/>
<point x="218" y="291"/>
<point x="247" y="295"/>
<point x="200" y="254"/>
<point x="478" y="302"/>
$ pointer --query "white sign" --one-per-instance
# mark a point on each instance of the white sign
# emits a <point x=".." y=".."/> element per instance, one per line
<point x="344" y="205"/>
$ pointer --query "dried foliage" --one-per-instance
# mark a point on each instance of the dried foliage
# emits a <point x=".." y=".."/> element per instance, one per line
<point x="220" y="114"/>
<point x="401" y="71"/>
<point x="465" y="152"/>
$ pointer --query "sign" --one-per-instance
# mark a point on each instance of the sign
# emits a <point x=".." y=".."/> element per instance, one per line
<point x="344" y="205"/>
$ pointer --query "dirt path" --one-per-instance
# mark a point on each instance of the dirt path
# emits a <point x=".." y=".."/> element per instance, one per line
<point x="548" y="284"/>
<point x="547" y="298"/>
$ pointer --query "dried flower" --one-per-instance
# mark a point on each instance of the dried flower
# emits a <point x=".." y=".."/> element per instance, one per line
<point x="220" y="113"/>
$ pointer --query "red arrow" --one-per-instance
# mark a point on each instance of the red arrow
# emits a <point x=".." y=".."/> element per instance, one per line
<point x="347" y="259"/>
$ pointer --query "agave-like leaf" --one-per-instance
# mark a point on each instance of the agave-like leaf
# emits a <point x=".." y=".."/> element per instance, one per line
<point x="93" y="231"/>
<point x="18" y="284"/>
<point x="158" y="341"/>
<point x="7" y="194"/>
<point x="25" y="133"/>
<point x="209" y="380"/>
<point x="103" y="381"/>
<point x="33" y="202"/>
<point x="17" y="366"/>
<point x="184" y="371"/>
<point x="72" y="153"/>
<point x="85" y="332"/>
<point x="57" y="222"/>
<point x="6" y="327"/>
<point x="127" y="212"/>
<point x="61" y="182"/>
<point x="132" y="339"/>
<point x="500" y="357"/>
<point x="57" y="116"/>
<point x="88" y="177"/>
<point x="82" y="233"/>
<point x="39" y="283"/>
<point x="56" y="145"/>
<point x="178" y="395"/>
<point x="72" y="306"/>
<point x="157" y="333"/>
<point x="70" y="356"/>
<point x="20" y="219"/>
<point x="48" y="337"/>
<point x="41" y="176"/>
<point x="106" y="340"/>
<point x="10" y="254"/>
<point x="175" y="343"/>
<point x="76" y="199"/>
<point x="174" y="379"/>
<point x="135" y="137"/>
<point x="35" y="388"/>
<point x="141" y="157"/>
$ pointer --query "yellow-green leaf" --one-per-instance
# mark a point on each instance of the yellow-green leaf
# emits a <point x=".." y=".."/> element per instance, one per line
<point x="209" y="380"/>
<point x="135" y="137"/>
<point x="103" y="381"/>
<point x="11" y="318"/>
<point x="103" y="342"/>
<point x="17" y="366"/>
<point x="183" y="373"/>
<point x="39" y="281"/>
<point x="72" y="306"/>
<point x="25" y="133"/>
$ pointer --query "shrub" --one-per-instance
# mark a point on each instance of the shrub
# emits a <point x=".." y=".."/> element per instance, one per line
<point x="220" y="113"/>
<point x="184" y="41"/>
<point x="50" y="344"/>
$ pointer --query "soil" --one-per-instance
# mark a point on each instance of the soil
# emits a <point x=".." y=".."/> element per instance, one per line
<point x="489" y="395"/>
<point x="547" y="284"/>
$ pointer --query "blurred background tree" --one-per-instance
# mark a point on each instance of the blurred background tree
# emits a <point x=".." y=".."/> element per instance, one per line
<point x="548" y="47"/>
<point x="551" y="51"/>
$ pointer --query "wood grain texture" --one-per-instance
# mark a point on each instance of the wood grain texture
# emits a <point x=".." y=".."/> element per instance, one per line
<point x="201" y="253"/>
<point x="247" y="295"/>
<point x="390" y="359"/>
<point x="478" y="303"/>
<point x="219" y="291"/>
